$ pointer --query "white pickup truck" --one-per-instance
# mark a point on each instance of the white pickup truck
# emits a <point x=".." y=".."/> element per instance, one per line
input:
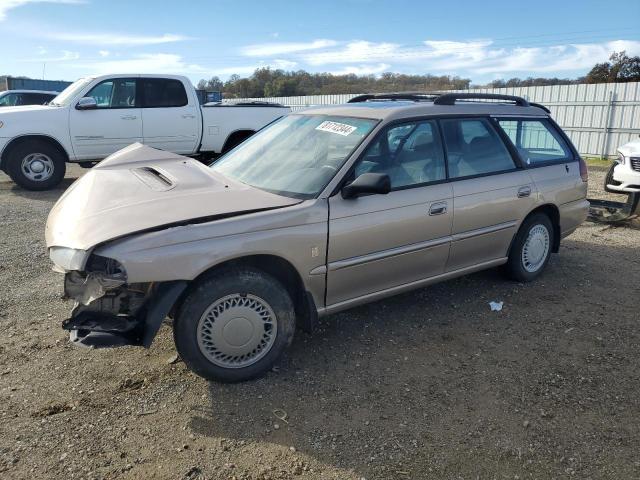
<point x="96" y="116"/>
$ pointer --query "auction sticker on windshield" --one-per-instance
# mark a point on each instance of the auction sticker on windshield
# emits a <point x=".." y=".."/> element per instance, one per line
<point x="335" y="127"/>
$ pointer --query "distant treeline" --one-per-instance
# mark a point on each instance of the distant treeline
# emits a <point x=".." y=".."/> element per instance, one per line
<point x="265" y="82"/>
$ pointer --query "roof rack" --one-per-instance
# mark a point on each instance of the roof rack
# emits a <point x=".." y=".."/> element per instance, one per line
<point x="450" y="98"/>
<point x="415" y="96"/>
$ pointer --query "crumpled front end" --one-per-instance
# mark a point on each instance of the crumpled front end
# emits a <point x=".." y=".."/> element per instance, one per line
<point x="110" y="312"/>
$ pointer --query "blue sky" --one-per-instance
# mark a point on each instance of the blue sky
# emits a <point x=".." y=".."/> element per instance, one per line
<point x="68" y="39"/>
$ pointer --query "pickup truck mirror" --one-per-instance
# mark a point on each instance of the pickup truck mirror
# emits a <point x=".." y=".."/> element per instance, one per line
<point x="367" y="183"/>
<point x="87" y="103"/>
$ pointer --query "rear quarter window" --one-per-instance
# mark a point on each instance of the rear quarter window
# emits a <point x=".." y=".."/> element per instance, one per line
<point x="537" y="141"/>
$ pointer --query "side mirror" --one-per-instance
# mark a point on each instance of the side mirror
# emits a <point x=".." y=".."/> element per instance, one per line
<point x="367" y="183"/>
<point x="87" y="103"/>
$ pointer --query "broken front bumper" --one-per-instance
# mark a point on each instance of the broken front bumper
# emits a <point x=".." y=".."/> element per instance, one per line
<point x="110" y="313"/>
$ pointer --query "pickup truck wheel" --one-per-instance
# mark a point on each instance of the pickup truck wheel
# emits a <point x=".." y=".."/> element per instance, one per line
<point x="234" y="325"/>
<point x="36" y="165"/>
<point x="531" y="248"/>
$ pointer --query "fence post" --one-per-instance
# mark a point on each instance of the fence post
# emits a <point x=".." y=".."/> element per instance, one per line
<point x="605" y="128"/>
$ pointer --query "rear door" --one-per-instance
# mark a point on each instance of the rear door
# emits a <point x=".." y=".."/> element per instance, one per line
<point x="492" y="192"/>
<point x="114" y="124"/>
<point x="378" y="242"/>
<point x="171" y="117"/>
<point x="546" y="154"/>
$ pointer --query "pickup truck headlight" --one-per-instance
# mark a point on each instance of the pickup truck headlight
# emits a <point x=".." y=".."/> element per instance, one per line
<point x="621" y="159"/>
<point x="68" y="258"/>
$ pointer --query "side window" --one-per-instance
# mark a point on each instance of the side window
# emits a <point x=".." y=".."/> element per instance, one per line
<point x="9" y="100"/>
<point x="163" y="92"/>
<point x="411" y="154"/>
<point x="115" y="93"/>
<point x="474" y="148"/>
<point x="536" y="140"/>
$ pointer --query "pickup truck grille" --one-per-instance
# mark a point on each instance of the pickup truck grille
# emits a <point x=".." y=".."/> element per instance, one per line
<point x="635" y="163"/>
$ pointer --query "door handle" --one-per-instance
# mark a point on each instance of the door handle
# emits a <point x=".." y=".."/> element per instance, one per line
<point x="524" y="192"/>
<point x="439" y="208"/>
<point x="188" y="115"/>
<point x="128" y="117"/>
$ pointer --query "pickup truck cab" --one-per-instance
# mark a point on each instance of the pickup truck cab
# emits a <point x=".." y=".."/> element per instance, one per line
<point x="96" y="116"/>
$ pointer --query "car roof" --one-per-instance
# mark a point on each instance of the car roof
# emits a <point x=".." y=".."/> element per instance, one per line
<point x="394" y="106"/>
<point x="47" y="92"/>
<point x="393" y="110"/>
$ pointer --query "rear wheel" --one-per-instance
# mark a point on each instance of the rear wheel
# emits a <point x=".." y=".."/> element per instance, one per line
<point x="36" y="165"/>
<point x="531" y="248"/>
<point x="234" y="325"/>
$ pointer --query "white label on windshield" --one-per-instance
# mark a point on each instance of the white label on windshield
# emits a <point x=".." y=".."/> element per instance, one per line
<point x="335" y="127"/>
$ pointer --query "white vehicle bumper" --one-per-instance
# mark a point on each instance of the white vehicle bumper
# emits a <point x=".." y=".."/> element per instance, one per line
<point x="627" y="177"/>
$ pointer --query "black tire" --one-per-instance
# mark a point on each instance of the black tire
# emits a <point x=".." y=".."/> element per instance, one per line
<point x="515" y="266"/>
<point x="16" y="155"/>
<point x="608" y="179"/>
<point x="247" y="282"/>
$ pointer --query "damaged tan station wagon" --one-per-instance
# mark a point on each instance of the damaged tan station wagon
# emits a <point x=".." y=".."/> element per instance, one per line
<point x="320" y="211"/>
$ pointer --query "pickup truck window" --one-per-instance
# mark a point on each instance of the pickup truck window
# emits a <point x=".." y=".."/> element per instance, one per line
<point x="297" y="156"/>
<point x="115" y="93"/>
<point x="163" y="93"/>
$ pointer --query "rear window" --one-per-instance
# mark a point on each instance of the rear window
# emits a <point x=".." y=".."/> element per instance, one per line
<point x="536" y="140"/>
<point x="163" y="93"/>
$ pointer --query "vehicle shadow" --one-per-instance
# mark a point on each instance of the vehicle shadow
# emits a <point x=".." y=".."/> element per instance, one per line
<point x="52" y="194"/>
<point x="430" y="377"/>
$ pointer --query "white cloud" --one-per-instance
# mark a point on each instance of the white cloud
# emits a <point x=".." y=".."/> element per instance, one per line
<point x="104" y="53"/>
<point x="170" y="63"/>
<point x="6" y="5"/>
<point x="270" y="49"/>
<point x="65" y="55"/>
<point x="116" y="39"/>
<point x="481" y="57"/>
<point x="363" y="69"/>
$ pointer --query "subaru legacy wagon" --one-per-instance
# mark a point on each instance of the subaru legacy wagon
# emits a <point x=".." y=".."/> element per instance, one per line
<point x="320" y="211"/>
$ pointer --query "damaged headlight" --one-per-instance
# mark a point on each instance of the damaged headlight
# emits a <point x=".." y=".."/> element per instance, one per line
<point x="68" y="258"/>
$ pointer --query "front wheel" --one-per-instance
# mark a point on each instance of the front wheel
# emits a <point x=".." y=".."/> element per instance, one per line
<point x="531" y="248"/>
<point x="234" y="325"/>
<point x="36" y="165"/>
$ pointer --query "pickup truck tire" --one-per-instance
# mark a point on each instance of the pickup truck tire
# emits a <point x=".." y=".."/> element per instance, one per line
<point x="531" y="248"/>
<point x="36" y="165"/>
<point x="234" y="324"/>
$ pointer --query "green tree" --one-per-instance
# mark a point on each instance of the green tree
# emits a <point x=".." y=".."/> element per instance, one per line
<point x="619" y="68"/>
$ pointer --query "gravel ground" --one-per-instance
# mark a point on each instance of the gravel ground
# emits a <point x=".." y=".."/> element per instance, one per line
<point x="430" y="384"/>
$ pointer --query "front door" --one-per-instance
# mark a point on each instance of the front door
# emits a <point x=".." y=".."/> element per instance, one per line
<point x="171" y="118"/>
<point x="378" y="242"/>
<point x="492" y="194"/>
<point x="116" y="123"/>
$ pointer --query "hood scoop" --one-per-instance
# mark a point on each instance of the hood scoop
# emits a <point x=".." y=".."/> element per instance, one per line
<point x="154" y="178"/>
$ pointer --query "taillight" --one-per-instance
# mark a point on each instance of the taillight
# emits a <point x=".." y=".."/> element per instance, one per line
<point x="584" y="172"/>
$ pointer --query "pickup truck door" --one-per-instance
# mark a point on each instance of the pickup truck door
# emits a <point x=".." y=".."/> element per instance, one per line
<point x="114" y="124"/>
<point x="171" y="118"/>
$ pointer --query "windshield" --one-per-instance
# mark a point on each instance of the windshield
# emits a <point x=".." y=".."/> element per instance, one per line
<point x="296" y="156"/>
<point x="69" y="93"/>
<point x="8" y="99"/>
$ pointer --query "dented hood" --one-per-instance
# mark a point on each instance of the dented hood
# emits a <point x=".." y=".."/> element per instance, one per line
<point x="140" y="188"/>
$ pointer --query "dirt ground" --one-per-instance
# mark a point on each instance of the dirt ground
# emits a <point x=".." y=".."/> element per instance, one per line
<point x="430" y="384"/>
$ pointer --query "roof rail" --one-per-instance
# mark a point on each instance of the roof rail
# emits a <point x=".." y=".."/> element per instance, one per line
<point x="394" y="96"/>
<point x="539" y="105"/>
<point x="450" y="98"/>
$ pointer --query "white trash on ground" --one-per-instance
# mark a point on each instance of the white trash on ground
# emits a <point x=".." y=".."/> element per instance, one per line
<point x="496" y="306"/>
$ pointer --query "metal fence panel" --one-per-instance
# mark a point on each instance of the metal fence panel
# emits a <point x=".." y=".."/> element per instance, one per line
<point x="597" y="117"/>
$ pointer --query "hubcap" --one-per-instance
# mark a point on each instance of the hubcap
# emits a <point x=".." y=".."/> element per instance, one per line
<point x="536" y="248"/>
<point x="237" y="330"/>
<point x="37" y="167"/>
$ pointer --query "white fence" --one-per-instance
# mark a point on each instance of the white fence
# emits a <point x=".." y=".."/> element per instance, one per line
<point x="598" y="118"/>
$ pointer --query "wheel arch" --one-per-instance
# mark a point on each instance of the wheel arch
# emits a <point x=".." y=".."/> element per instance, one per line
<point x="14" y="142"/>
<point x="281" y="269"/>
<point x="235" y="138"/>
<point x="551" y="211"/>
